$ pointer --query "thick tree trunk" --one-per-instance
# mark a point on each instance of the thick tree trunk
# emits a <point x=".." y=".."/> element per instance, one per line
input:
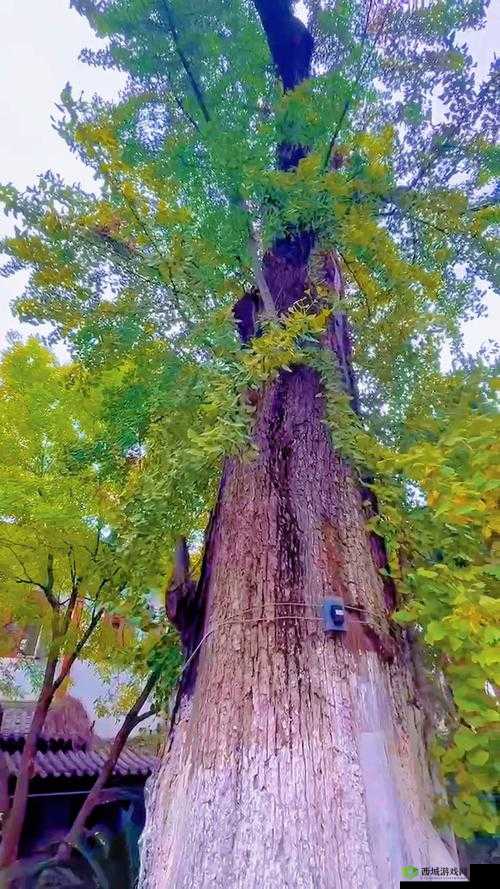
<point x="295" y="759"/>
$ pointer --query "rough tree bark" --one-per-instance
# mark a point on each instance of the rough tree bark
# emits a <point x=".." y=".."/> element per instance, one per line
<point x="294" y="759"/>
<point x="297" y="760"/>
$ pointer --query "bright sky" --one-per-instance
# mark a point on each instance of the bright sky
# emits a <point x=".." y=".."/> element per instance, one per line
<point x="39" y="46"/>
<point x="40" y="41"/>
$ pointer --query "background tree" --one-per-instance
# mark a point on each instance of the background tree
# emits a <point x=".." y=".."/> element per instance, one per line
<point x="162" y="659"/>
<point x="289" y="176"/>
<point x="61" y="567"/>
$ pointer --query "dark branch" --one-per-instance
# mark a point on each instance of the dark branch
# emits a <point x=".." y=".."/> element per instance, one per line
<point x="184" y="61"/>
<point x="143" y="716"/>
<point x="246" y="312"/>
<point x="95" y="796"/>
<point x="180" y="600"/>
<point x="183" y="110"/>
<point x="290" y="42"/>
<point x="48" y="589"/>
<point x="77" y="650"/>
<point x="361" y="68"/>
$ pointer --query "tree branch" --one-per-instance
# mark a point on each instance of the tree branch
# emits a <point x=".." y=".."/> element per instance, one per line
<point x="11" y="835"/>
<point x="290" y="42"/>
<point x="132" y="719"/>
<point x="253" y="249"/>
<point x="185" y="64"/>
<point x="65" y="669"/>
<point x="143" y="716"/>
<point x="433" y="155"/>
<point x="361" y="67"/>
<point x="49" y="587"/>
<point x="183" y="110"/>
<point x="26" y="579"/>
<point x="75" y="580"/>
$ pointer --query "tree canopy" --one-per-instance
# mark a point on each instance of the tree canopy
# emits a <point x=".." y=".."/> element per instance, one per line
<point x="396" y="143"/>
<point x="60" y="552"/>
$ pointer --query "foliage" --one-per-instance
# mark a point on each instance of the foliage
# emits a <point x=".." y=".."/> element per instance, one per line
<point x="113" y="857"/>
<point x="139" y="280"/>
<point x="448" y="535"/>
<point x="59" y="540"/>
<point x="103" y="859"/>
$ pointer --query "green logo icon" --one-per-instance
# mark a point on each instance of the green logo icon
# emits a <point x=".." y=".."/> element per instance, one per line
<point x="410" y="872"/>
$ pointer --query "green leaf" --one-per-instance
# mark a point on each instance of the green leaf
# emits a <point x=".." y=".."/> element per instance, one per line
<point x="435" y="632"/>
<point x="466" y="740"/>
<point x="478" y="757"/>
<point x="403" y="617"/>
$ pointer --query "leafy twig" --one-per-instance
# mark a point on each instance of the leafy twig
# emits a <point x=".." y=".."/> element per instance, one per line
<point x="185" y="64"/>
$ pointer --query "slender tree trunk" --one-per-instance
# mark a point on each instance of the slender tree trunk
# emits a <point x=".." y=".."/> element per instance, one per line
<point x="15" y="821"/>
<point x="132" y="719"/>
<point x="296" y="759"/>
<point x="4" y="787"/>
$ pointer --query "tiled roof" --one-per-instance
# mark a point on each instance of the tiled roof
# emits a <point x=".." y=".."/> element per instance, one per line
<point x="16" y="717"/>
<point x="79" y="763"/>
<point x="67" y="720"/>
<point x="77" y="759"/>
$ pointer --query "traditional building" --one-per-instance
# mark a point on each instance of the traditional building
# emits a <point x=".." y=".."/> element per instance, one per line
<point x="67" y="762"/>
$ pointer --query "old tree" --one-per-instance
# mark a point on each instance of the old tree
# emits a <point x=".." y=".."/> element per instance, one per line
<point x="294" y="217"/>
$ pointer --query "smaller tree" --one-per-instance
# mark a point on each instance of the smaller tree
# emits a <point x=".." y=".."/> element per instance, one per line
<point x="62" y="567"/>
<point x="163" y="661"/>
